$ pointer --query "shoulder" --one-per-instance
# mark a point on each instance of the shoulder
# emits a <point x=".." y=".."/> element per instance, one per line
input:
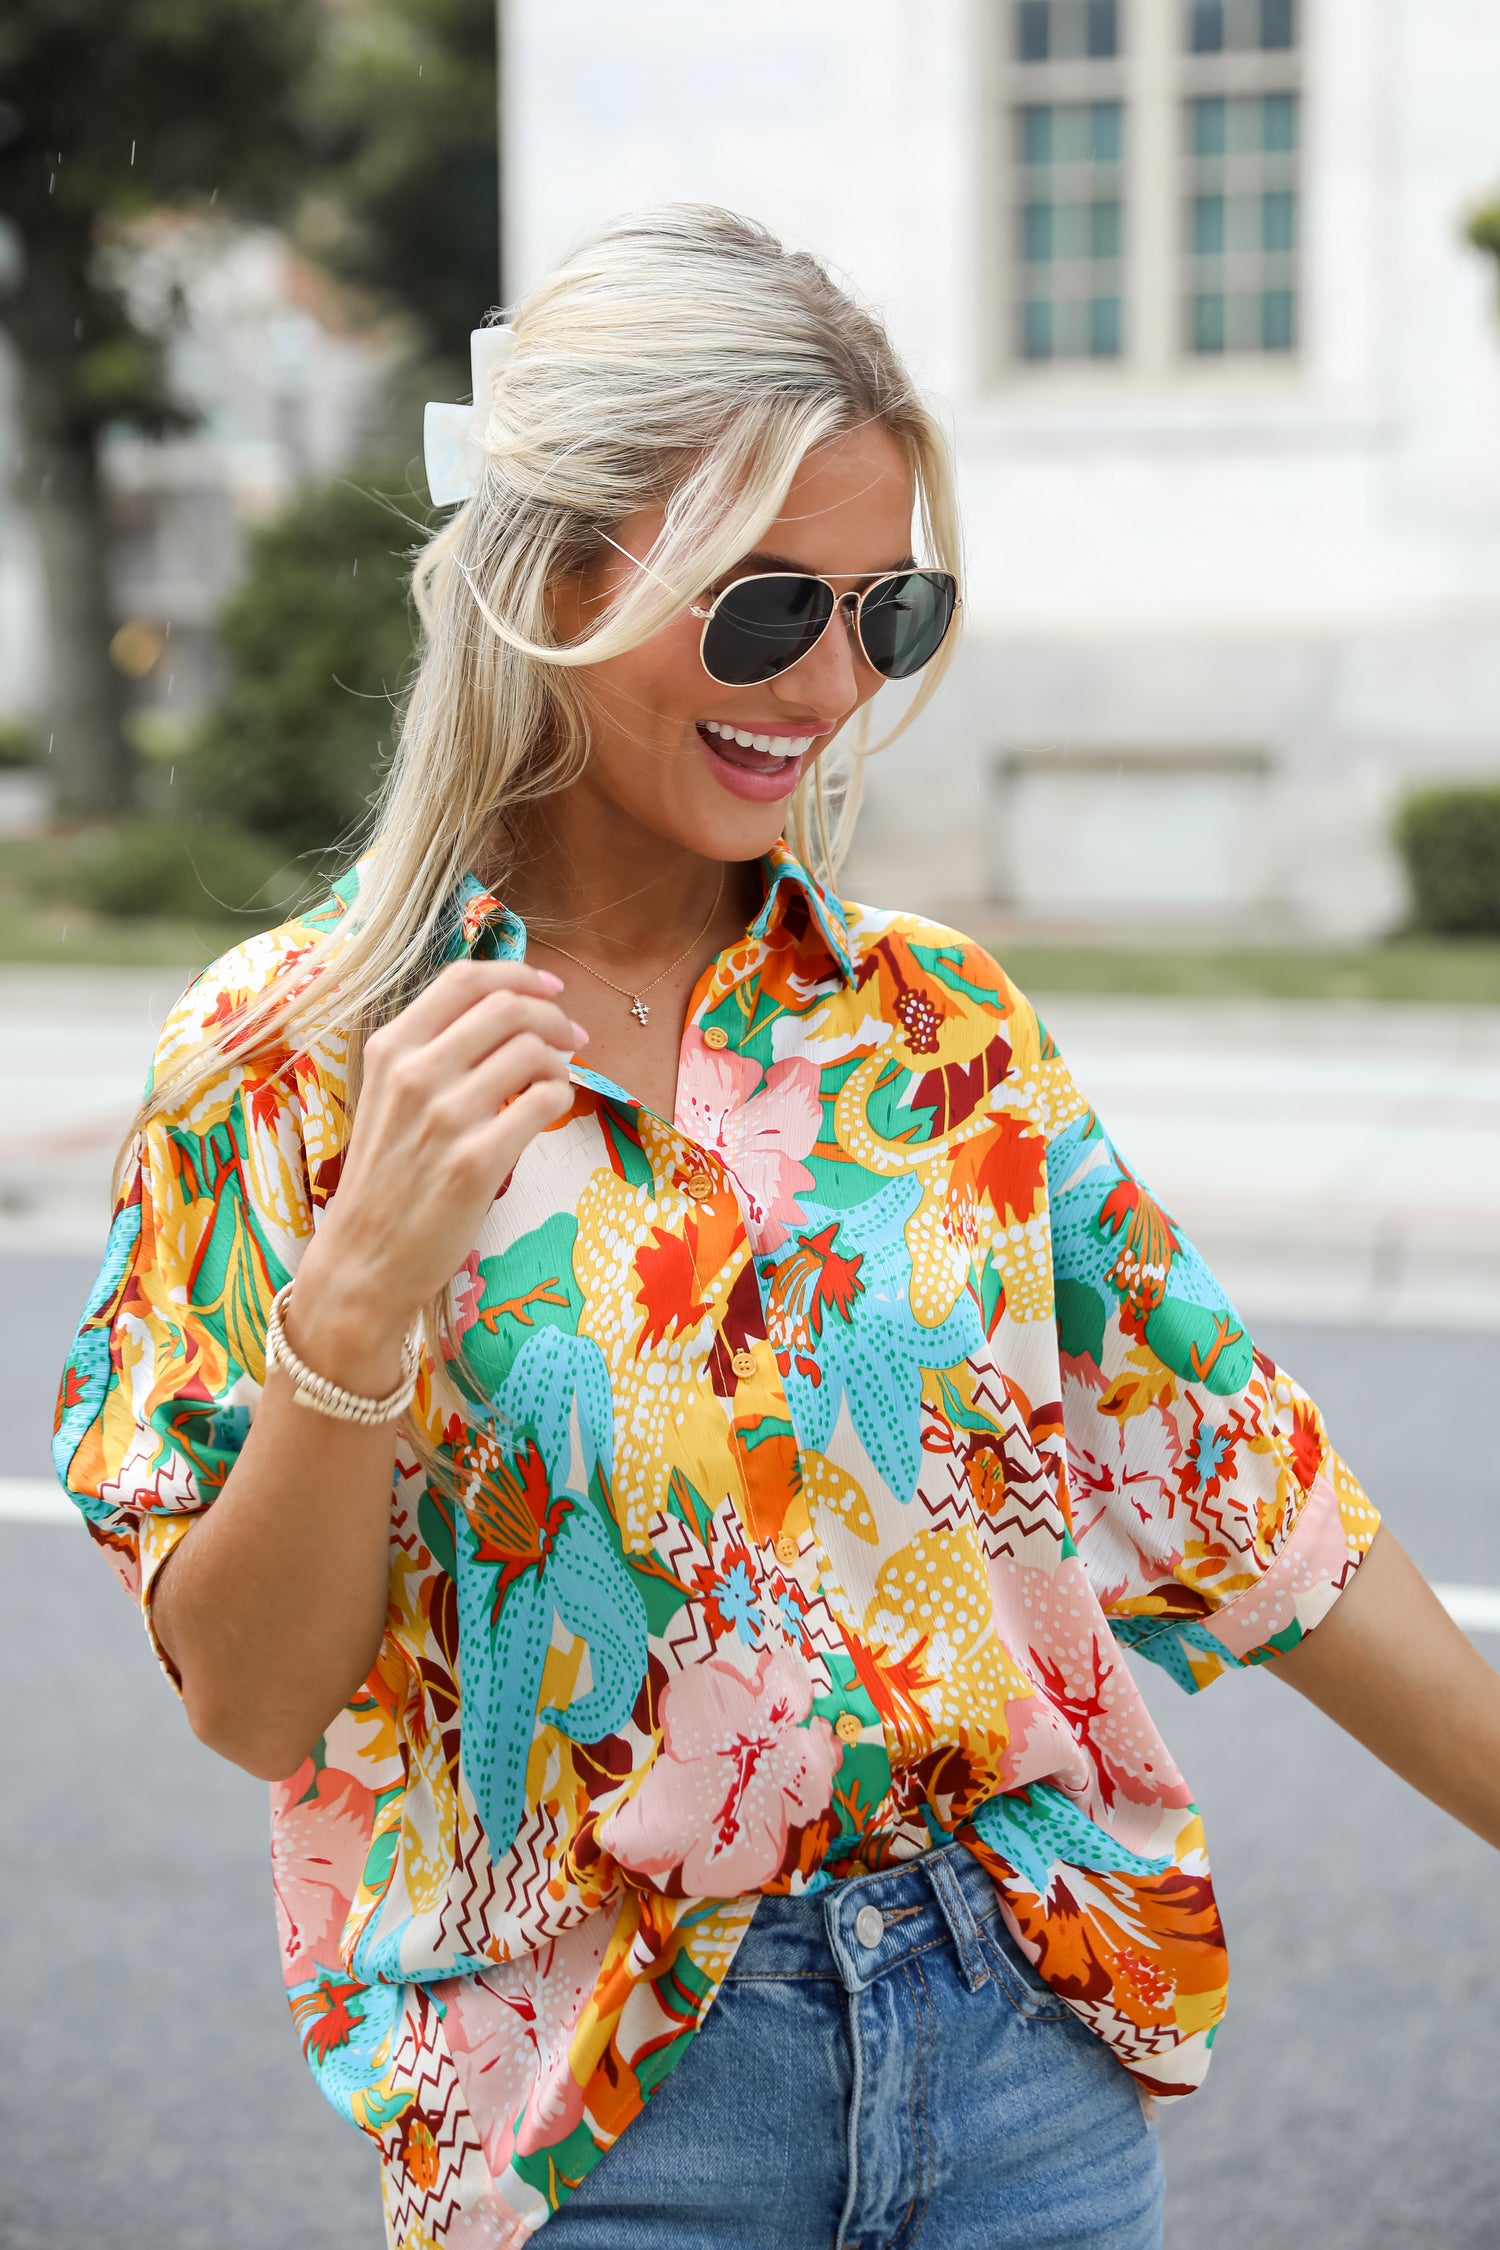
<point x="930" y="976"/>
<point x="229" y="1014"/>
<point x="230" y="986"/>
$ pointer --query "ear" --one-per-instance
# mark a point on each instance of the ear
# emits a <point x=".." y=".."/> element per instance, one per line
<point x="566" y="605"/>
<point x="576" y="592"/>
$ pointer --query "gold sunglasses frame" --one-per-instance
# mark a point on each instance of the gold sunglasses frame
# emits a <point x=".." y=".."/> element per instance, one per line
<point x="840" y="602"/>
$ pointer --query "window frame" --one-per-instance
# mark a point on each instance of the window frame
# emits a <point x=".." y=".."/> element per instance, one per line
<point x="1013" y="88"/>
<point x="1234" y="75"/>
<point x="1154" y="76"/>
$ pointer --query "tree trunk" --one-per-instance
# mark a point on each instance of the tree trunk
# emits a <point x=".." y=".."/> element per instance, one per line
<point x="90" y="763"/>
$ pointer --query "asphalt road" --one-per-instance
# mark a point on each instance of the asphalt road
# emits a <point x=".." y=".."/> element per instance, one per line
<point x="153" y="2097"/>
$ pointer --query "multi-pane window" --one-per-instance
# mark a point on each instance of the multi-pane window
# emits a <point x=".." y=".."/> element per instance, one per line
<point x="1241" y="133"/>
<point x="1216" y="27"/>
<point x="1068" y="193"/>
<point x="1066" y="30"/>
<point x="1149" y="181"/>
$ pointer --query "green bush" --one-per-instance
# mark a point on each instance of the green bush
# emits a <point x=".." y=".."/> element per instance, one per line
<point x="319" y="638"/>
<point x="180" y="870"/>
<point x="18" y="744"/>
<point x="1450" y="841"/>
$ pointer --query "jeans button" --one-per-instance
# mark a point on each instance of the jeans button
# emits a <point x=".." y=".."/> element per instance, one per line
<point x="869" y="1927"/>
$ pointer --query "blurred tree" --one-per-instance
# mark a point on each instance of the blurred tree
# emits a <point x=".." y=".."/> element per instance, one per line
<point x="110" y="109"/>
<point x="319" y="641"/>
<point x="407" y="105"/>
<point x="319" y="637"/>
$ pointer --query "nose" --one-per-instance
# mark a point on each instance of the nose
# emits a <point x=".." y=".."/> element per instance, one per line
<point x="834" y="676"/>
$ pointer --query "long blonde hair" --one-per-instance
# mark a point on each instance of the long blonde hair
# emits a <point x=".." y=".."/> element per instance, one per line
<point x="680" y="357"/>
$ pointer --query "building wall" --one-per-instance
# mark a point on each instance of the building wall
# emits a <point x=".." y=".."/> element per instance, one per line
<point x="1219" y="616"/>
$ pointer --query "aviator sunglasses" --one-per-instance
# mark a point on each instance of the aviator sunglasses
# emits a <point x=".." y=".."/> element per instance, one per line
<point x="763" y="625"/>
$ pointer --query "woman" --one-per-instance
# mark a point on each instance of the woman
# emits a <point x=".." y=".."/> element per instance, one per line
<point x="670" y="1545"/>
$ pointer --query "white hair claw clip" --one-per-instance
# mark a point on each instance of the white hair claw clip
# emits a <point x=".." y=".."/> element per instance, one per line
<point x="452" y="435"/>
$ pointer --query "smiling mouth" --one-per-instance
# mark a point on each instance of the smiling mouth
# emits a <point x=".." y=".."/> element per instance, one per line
<point x="751" y="752"/>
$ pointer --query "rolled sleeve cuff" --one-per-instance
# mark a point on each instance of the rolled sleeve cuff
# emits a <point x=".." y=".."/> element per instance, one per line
<point x="1326" y="1545"/>
<point x="160" y="1536"/>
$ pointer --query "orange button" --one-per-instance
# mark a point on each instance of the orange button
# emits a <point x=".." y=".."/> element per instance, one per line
<point x="716" y="1036"/>
<point x="744" y="1365"/>
<point x="699" y="1187"/>
<point x="786" y="1548"/>
<point x="847" y="1727"/>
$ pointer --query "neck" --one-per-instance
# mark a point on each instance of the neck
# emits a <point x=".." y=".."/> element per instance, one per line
<point x="585" y="873"/>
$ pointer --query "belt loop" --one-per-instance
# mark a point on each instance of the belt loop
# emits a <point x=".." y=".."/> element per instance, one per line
<point x="957" y="1913"/>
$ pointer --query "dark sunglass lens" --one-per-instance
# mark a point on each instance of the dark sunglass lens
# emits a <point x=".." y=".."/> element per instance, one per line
<point x="763" y="626"/>
<point x="902" y="623"/>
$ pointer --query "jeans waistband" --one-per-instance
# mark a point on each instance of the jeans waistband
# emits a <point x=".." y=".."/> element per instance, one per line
<point x="862" y="1928"/>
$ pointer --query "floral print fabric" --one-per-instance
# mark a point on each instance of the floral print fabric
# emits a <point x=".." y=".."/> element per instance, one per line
<point x="830" y="1441"/>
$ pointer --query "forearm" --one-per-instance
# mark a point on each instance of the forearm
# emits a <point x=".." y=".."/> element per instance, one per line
<point x="273" y="1605"/>
<point x="1389" y="1665"/>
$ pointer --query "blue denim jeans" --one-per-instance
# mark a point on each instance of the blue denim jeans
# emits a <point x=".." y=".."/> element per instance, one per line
<point x="882" y="2068"/>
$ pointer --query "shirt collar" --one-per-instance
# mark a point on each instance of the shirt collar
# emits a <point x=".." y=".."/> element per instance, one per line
<point x="483" y="926"/>
<point x="788" y="881"/>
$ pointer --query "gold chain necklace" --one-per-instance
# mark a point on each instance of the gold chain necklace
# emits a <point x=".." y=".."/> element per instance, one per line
<point x="638" y="1007"/>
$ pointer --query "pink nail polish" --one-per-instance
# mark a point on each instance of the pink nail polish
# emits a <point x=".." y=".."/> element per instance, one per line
<point x="580" y="1034"/>
<point x="548" y="982"/>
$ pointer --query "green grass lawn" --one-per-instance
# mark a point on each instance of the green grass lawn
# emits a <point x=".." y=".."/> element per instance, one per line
<point x="41" y="919"/>
<point x="1464" y="971"/>
<point x="39" y="923"/>
<point x="63" y="935"/>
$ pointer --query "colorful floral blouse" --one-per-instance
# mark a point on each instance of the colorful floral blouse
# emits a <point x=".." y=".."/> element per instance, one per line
<point x="833" y="1438"/>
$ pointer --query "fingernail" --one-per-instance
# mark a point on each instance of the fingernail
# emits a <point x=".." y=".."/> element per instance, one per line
<point x="579" y="1033"/>
<point x="548" y="982"/>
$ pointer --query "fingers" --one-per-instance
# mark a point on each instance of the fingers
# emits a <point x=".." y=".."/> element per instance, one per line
<point x="474" y="1096"/>
<point x="479" y="1161"/>
<point x="493" y="1021"/>
<point x="496" y="1146"/>
<point x="452" y="993"/>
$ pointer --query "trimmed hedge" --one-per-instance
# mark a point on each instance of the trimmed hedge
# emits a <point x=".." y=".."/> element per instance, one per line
<point x="181" y="870"/>
<point x="319" y="638"/>
<point x="1450" y="842"/>
<point x="18" y="744"/>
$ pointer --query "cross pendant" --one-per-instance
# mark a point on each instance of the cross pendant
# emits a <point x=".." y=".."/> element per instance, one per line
<point x="638" y="1008"/>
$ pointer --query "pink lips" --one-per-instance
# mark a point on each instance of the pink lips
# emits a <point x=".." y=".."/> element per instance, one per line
<point x="757" y="787"/>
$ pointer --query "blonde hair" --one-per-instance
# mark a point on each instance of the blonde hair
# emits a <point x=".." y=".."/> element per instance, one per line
<point x="680" y="357"/>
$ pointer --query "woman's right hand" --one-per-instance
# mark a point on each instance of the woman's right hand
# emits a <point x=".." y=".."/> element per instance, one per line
<point x="273" y="1608"/>
<point x="454" y="1088"/>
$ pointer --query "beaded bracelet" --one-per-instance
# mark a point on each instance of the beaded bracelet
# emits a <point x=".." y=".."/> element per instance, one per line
<point x="327" y="1398"/>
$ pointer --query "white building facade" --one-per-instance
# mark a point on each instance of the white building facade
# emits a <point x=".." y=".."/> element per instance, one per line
<point x="1224" y="380"/>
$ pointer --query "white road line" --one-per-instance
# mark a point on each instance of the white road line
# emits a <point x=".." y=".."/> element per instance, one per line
<point x="1476" y="1608"/>
<point x="34" y="1500"/>
<point x="39" y="1500"/>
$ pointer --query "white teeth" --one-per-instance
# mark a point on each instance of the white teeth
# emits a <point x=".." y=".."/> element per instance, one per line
<point x="769" y="745"/>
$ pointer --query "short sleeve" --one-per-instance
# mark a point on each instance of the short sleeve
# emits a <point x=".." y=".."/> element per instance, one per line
<point x="1215" y="1520"/>
<point x="168" y="1363"/>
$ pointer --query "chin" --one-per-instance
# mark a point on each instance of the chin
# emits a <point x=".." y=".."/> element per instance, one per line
<point x="738" y="833"/>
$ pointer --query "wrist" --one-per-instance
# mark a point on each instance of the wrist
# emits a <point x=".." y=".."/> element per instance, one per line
<point x="345" y="1326"/>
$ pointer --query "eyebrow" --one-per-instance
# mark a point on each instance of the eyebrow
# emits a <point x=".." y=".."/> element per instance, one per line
<point x="763" y="560"/>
